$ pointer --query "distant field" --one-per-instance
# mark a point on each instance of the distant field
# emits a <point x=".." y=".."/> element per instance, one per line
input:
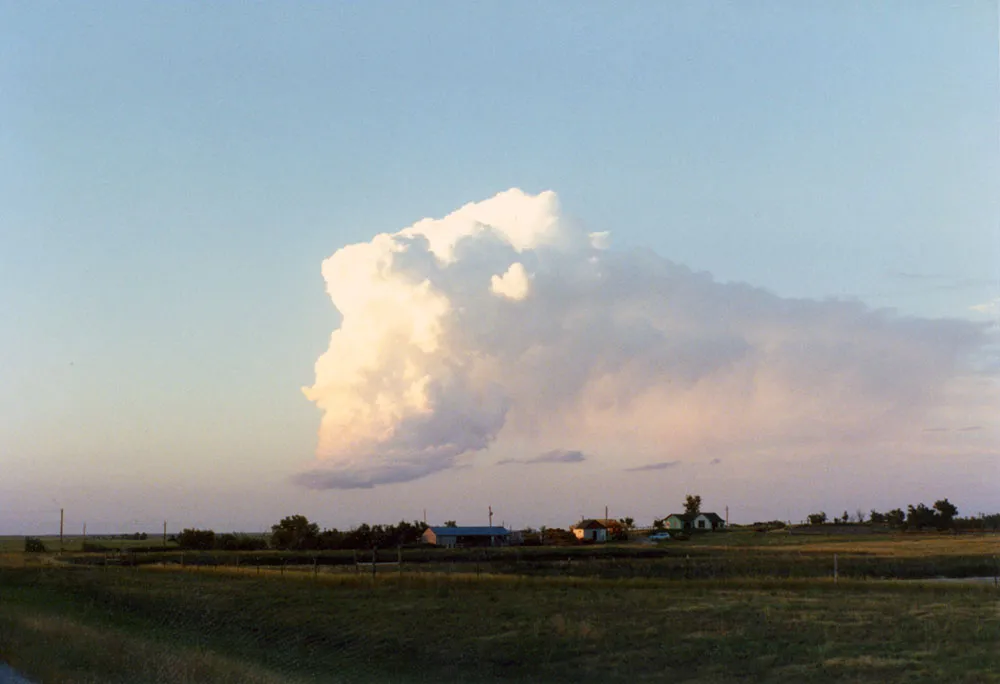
<point x="715" y="556"/>
<point x="896" y="544"/>
<point x="10" y="544"/>
<point x="183" y="625"/>
<point x="710" y="556"/>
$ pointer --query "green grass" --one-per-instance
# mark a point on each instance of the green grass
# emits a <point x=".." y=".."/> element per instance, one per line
<point x="74" y="543"/>
<point x="73" y="624"/>
<point x="739" y="606"/>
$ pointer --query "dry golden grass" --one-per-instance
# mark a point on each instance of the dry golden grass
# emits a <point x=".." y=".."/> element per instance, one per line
<point x="889" y="546"/>
<point x="911" y="547"/>
<point x="27" y="560"/>
<point x="13" y="560"/>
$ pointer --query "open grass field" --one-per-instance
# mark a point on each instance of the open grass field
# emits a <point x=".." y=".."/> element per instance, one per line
<point x="60" y="624"/>
<point x="87" y="625"/>
<point x="577" y="614"/>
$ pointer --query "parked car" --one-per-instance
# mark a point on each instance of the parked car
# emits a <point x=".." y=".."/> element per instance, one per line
<point x="659" y="536"/>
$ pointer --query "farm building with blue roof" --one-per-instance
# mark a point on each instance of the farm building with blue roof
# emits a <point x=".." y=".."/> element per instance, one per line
<point x="451" y="537"/>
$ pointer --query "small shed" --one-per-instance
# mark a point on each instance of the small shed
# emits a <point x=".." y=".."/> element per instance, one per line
<point x="451" y="537"/>
<point x="590" y="530"/>
<point x="598" y="530"/>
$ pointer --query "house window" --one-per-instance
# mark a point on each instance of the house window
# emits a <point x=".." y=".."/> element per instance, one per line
<point x="701" y="524"/>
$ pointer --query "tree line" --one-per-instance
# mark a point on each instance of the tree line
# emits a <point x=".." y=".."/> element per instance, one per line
<point x="296" y="533"/>
<point x="943" y="515"/>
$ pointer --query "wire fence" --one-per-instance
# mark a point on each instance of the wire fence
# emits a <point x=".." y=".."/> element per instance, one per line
<point x="675" y="566"/>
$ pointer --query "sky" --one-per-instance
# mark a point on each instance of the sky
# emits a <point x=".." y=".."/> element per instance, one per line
<point x="746" y="251"/>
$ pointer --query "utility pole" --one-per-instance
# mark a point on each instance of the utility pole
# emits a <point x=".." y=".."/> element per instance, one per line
<point x="61" y="518"/>
<point x="491" y="516"/>
<point x="164" y="533"/>
<point x="605" y="512"/>
<point x="727" y="516"/>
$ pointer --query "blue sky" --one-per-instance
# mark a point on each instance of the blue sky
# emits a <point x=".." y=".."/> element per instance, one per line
<point x="173" y="175"/>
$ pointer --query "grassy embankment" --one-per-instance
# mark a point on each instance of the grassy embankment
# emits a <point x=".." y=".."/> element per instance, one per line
<point x="66" y="623"/>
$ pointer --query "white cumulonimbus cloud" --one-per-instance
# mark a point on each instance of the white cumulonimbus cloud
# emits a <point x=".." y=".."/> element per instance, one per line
<point x="502" y="317"/>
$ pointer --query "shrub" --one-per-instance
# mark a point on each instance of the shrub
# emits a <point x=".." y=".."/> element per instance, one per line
<point x="199" y="540"/>
<point x="769" y="525"/>
<point x="240" y="542"/>
<point x="33" y="545"/>
<point x="817" y="518"/>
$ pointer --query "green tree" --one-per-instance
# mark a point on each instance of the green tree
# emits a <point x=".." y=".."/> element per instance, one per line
<point x="692" y="504"/>
<point x="947" y="511"/>
<point x="627" y="523"/>
<point x="920" y="516"/>
<point x="364" y="536"/>
<point x="876" y="517"/>
<point x="817" y="518"/>
<point x="239" y="542"/>
<point x="201" y="540"/>
<point x="296" y="533"/>
<point x="659" y="524"/>
<point x="450" y="523"/>
<point x="895" y="517"/>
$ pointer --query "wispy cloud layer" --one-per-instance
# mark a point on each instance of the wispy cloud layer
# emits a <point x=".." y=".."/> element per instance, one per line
<point x="991" y="307"/>
<point x="555" y="456"/>
<point x="663" y="465"/>
<point x="941" y="281"/>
